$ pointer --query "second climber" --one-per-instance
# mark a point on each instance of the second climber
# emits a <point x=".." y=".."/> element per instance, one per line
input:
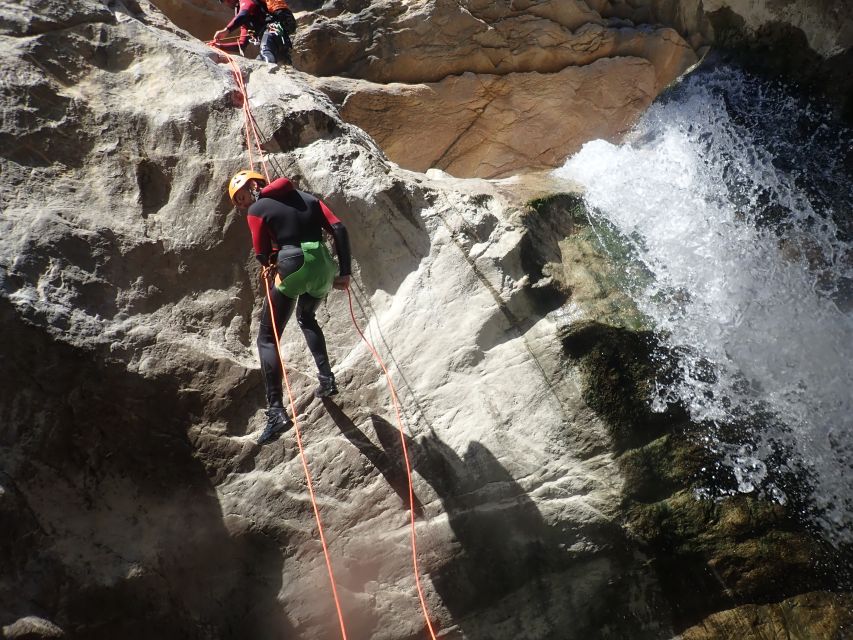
<point x="287" y="234"/>
<point x="271" y="23"/>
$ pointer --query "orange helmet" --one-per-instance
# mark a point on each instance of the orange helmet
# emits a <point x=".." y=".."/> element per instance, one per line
<point x="240" y="179"/>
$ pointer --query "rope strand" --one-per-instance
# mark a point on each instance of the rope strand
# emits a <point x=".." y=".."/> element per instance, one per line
<point x="250" y="125"/>
<point x="252" y="132"/>
<point x="395" y="401"/>
<point x="265" y="275"/>
<point x="251" y="129"/>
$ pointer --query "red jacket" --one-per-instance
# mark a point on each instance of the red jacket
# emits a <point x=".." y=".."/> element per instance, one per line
<point x="249" y="14"/>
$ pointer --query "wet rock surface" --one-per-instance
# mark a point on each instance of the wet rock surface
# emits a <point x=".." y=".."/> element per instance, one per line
<point x="709" y="555"/>
<point x="811" y="615"/>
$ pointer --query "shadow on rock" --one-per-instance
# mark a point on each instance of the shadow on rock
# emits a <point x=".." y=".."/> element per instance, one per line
<point x="119" y="533"/>
<point x="387" y="461"/>
<point x="508" y="573"/>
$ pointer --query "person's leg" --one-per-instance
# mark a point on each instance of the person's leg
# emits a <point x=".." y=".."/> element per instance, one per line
<point x="267" y="351"/>
<point x="287" y="22"/>
<point x="269" y="46"/>
<point x="306" y="309"/>
<point x="282" y="308"/>
<point x="290" y="260"/>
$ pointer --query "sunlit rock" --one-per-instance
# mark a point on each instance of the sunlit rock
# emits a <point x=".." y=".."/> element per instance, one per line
<point x="481" y="89"/>
<point x="134" y="500"/>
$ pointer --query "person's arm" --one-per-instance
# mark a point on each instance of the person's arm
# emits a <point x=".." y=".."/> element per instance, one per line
<point x="339" y="233"/>
<point x="261" y="239"/>
<point x="245" y="13"/>
<point x="234" y="46"/>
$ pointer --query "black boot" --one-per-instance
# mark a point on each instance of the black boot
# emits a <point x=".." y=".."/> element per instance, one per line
<point x="277" y="423"/>
<point x="327" y="387"/>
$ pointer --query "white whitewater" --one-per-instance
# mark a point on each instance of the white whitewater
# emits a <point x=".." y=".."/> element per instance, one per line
<point x="732" y="193"/>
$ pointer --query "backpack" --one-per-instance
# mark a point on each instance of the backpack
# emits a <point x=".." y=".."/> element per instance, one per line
<point x="274" y="5"/>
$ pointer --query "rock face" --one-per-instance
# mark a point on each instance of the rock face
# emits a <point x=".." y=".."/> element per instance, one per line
<point x="497" y="123"/>
<point x="200" y="17"/>
<point x="135" y="503"/>
<point x="826" y="24"/>
<point x="525" y="83"/>
<point x="481" y="88"/>
<point x="809" y="41"/>
<point x="141" y="505"/>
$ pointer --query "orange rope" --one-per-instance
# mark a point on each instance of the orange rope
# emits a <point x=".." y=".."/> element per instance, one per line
<point x="265" y="277"/>
<point x="251" y="126"/>
<point x="252" y="130"/>
<point x="395" y="401"/>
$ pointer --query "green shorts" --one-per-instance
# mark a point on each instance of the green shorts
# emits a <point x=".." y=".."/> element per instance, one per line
<point x="314" y="277"/>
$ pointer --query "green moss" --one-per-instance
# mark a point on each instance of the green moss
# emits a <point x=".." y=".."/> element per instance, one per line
<point x="661" y="467"/>
<point x="818" y="614"/>
<point x="707" y="554"/>
<point x="569" y="204"/>
<point x="618" y="379"/>
<point x="586" y="257"/>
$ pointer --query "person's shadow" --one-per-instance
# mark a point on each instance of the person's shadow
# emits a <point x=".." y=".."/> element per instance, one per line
<point x="506" y="552"/>
<point x="387" y="460"/>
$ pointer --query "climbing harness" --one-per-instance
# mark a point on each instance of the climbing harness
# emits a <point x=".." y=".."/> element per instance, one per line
<point x="278" y="29"/>
<point x="267" y="275"/>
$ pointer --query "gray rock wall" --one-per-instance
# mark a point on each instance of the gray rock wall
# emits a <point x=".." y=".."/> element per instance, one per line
<point x="134" y="501"/>
<point x="132" y="398"/>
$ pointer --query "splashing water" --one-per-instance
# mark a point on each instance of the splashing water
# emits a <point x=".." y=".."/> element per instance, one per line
<point x="736" y="197"/>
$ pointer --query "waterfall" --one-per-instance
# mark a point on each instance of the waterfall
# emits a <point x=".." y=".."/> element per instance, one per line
<point x="735" y="196"/>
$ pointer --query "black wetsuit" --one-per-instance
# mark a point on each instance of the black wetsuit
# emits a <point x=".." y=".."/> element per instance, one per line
<point x="281" y="220"/>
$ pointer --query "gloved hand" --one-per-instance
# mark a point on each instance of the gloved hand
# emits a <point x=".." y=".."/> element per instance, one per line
<point x="341" y="282"/>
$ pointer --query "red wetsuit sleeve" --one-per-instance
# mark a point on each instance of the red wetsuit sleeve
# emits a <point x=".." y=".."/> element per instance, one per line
<point x="236" y="46"/>
<point x="246" y="11"/>
<point x="336" y="228"/>
<point x="260" y="237"/>
<point x="329" y="218"/>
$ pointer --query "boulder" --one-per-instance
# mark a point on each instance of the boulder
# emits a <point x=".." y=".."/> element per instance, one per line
<point x="32" y="628"/>
<point x="482" y="89"/>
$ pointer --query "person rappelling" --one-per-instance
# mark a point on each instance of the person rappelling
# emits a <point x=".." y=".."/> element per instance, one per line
<point x="270" y="23"/>
<point x="287" y="235"/>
